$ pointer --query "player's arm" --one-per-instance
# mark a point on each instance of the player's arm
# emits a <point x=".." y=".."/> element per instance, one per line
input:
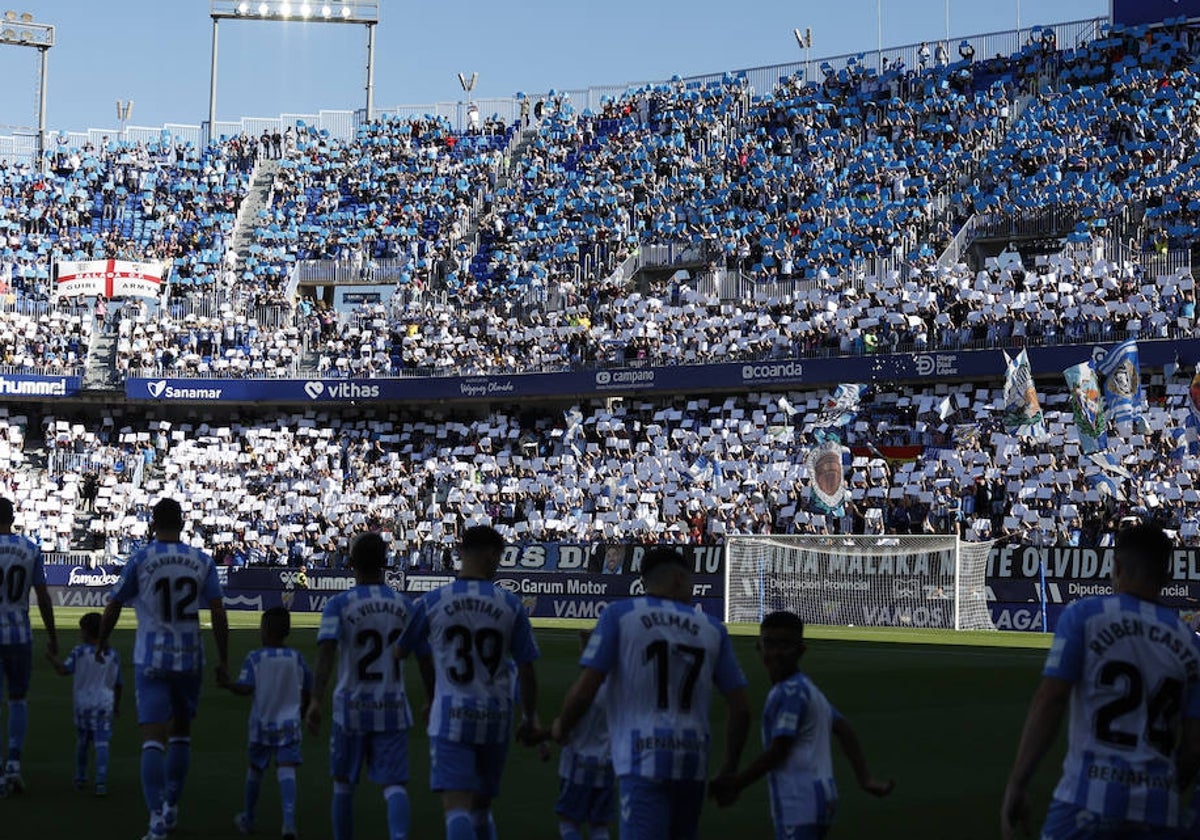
<point x="598" y="660"/>
<point x="108" y="620"/>
<point x="731" y="682"/>
<point x="326" y="654"/>
<point x="1041" y="728"/>
<point x="525" y="652"/>
<point x="61" y="668"/>
<point x="428" y="675"/>
<point x="306" y="685"/>
<point x="726" y="789"/>
<point x="220" y="627"/>
<point x="579" y="699"/>
<point x="46" y="608"/>
<point x="220" y="621"/>
<point x="530" y="730"/>
<point x="737" y="728"/>
<point x="853" y="750"/>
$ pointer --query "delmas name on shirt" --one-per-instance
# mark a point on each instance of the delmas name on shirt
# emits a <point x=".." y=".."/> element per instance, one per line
<point x="478" y="605"/>
<point x="368" y="608"/>
<point x="1105" y="638"/>
<point x="670" y="619"/>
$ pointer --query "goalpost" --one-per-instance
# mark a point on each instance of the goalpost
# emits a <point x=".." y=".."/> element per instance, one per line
<point x="875" y="581"/>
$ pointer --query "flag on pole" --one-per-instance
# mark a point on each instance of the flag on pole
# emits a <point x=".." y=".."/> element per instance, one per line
<point x="1087" y="406"/>
<point x="1022" y="411"/>
<point x="838" y="411"/>
<point x="1123" y="396"/>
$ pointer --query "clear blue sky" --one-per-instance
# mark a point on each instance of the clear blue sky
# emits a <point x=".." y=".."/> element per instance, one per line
<point x="156" y="52"/>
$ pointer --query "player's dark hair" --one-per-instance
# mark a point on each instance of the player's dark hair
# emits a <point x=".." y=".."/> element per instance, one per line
<point x="783" y="620"/>
<point x="277" y="621"/>
<point x="7" y="513"/>
<point x="483" y="541"/>
<point x="168" y="514"/>
<point x="90" y="625"/>
<point x="1144" y="551"/>
<point x="662" y="557"/>
<point x="368" y="553"/>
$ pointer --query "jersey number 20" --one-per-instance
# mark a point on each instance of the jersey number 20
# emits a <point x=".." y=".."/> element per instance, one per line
<point x="13" y="587"/>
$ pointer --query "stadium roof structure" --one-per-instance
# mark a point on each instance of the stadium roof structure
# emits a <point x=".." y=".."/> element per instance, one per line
<point x="357" y="12"/>
<point x="321" y="11"/>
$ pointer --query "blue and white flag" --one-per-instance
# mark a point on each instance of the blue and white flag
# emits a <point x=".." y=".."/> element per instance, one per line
<point x="1022" y="411"/>
<point x="1123" y="396"/>
<point x="1187" y="439"/>
<point x="1087" y="406"/>
<point x="839" y="410"/>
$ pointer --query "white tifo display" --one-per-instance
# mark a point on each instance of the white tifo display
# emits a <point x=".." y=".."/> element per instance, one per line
<point x="871" y="581"/>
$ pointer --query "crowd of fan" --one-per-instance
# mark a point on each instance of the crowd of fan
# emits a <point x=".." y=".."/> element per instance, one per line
<point x="400" y="190"/>
<point x="145" y="201"/>
<point x="227" y="344"/>
<point x="270" y="486"/>
<point x="797" y="182"/>
<point x="1119" y="134"/>
<point x="1061" y="299"/>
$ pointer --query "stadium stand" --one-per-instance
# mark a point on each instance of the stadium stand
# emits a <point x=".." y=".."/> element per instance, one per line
<point x="822" y="219"/>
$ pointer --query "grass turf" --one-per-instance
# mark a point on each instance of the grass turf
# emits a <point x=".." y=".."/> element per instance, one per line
<point x="939" y="712"/>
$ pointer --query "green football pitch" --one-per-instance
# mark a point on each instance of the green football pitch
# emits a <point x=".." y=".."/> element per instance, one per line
<point x="938" y="712"/>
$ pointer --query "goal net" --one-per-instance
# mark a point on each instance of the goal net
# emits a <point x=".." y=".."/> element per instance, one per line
<point x="874" y="581"/>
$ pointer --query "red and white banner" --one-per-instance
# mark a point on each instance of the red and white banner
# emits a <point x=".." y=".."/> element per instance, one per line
<point x="111" y="278"/>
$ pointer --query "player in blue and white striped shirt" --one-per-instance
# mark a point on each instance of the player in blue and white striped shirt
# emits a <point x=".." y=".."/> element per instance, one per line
<point x="371" y="717"/>
<point x="1130" y="671"/>
<point x="587" y="783"/>
<point x="97" y="691"/>
<point x="466" y="635"/>
<point x="660" y="659"/>
<point x="797" y="726"/>
<point x="168" y="582"/>
<point x="280" y="681"/>
<point x="20" y="570"/>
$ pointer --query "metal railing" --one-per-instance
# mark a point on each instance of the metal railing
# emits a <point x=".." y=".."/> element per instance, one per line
<point x="87" y="559"/>
<point x="343" y="124"/>
<point x="369" y="272"/>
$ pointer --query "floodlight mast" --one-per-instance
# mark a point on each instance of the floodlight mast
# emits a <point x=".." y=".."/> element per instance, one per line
<point x="23" y="31"/>
<point x="356" y="12"/>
